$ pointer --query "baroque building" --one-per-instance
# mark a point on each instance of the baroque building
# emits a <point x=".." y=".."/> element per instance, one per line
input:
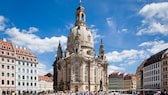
<point x="79" y="69"/>
<point x="26" y="71"/>
<point x="7" y="68"/>
<point x="18" y="70"/>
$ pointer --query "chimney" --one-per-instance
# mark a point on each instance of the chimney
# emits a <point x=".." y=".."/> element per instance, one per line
<point x="4" y="39"/>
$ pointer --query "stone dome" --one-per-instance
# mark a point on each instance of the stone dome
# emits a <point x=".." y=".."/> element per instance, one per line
<point x="80" y="34"/>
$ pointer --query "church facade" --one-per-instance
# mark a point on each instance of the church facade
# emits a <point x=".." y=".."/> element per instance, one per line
<point x="79" y="69"/>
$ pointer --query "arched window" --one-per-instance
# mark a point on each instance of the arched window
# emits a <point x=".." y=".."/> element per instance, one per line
<point x="89" y="37"/>
<point x="76" y="73"/>
<point x="95" y="75"/>
<point x="83" y="17"/>
<point x="86" y="73"/>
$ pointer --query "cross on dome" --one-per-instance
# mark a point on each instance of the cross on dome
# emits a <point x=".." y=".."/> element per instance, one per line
<point x="80" y="1"/>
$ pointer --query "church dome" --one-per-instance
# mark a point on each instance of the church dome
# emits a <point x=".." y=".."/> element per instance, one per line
<point x="80" y="34"/>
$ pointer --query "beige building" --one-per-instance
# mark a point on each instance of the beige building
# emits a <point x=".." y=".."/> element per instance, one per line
<point x="116" y="81"/>
<point x="7" y="68"/>
<point x="79" y="69"/>
<point x="164" y="79"/>
<point x="129" y="83"/>
<point x="122" y="82"/>
<point x="18" y="70"/>
<point x="45" y="84"/>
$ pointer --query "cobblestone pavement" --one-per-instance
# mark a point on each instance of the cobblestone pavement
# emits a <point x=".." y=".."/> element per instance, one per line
<point x="101" y="93"/>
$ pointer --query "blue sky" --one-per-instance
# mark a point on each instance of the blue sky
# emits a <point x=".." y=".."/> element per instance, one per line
<point x="132" y="30"/>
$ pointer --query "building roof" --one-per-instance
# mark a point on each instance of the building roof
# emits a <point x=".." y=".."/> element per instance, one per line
<point x="117" y="75"/>
<point x="49" y="75"/>
<point x="6" y="45"/>
<point x="129" y="77"/>
<point x="24" y="54"/>
<point x="155" y="58"/>
<point x="45" y="78"/>
<point x="21" y="53"/>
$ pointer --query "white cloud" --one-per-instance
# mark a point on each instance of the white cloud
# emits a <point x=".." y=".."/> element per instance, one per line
<point x="124" y="30"/>
<point x="154" y="46"/>
<point x="32" y="29"/>
<point x="2" y="23"/>
<point x="42" y="69"/>
<point x="125" y="56"/>
<point x="94" y="31"/>
<point x="112" y="68"/>
<point x="33" y="42"/>
<point x="109" y="22"/>
<point x="155" y="19"/>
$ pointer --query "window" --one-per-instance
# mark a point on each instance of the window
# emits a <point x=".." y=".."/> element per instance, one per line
<point x="2" y="59"/>
<point x="19" y="83"/>
<point x="95" y="75"/>
<point x="34" y="78"/>
<point x="8" y="67"/>
<point x="89" y="38"/>
<point x="8" y="74"/>
<point x="18" y="62"/>
<point x="31" y="77"/>
<point x="8" y="60"/>
<point x="12" y="82"/>
<point x="8" y="82"/>
<point x="13" y="75"/>
<point x="19" y="69"/>
<point x="2" y="66"/>
<point x="2" y="74"/>
<point x="86" y="73"/>
<point x="27" y="70"/>
<point x="23" y="63"/>
<point x="27" y="84"/>
<point x="23" y="70"/>
<point x="18" y="76"/>
<point x="83" y="17"/>
<point x="12" y="61"/>
<point x="3" y="82"/>
<point x="23" y="77"/>
<point x="12" y="67"/>
<point x="31" y="71"/>
<point x="23" y="84"/>
<point x="76" y="73"/>
<point x="27" y="77"/>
